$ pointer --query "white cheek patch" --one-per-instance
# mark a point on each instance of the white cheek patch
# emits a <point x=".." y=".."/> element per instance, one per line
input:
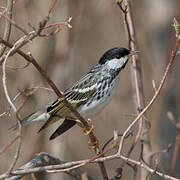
<point x="116" y="63"/>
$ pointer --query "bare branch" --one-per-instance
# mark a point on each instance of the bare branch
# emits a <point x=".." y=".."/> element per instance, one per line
<point x="70" y="164"/>
<point x="7" y="30"/>
<point x="4" y="79"/>
<point x="44" y="159"/>
<point x="155" y="95"/>
<point x="8" y="145"/>
<point x="136" y="78"/>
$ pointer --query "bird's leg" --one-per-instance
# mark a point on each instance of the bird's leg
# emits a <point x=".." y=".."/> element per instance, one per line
<point x="88" y="131"/>
<point x="92" y="142"/>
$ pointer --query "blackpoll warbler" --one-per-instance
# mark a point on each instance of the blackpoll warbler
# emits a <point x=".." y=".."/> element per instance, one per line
<point x="91" y="93"/>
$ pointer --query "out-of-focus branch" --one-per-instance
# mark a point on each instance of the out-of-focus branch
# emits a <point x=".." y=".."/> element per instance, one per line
<point x="16" y="156"/>
<point x="43" y="162"/>
<point x="44" y="159"/>
<point x="8" y="145"/>
<point x="137" y="84"/>
<point x="11" y="22"/>
<point x="24" y="171"/>
<point x="177" y="144"/>
<point x="7" y="30"/>
<point x="109" y="148"/>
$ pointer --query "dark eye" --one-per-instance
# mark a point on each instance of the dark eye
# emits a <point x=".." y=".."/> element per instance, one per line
<point x="118" y="56"/>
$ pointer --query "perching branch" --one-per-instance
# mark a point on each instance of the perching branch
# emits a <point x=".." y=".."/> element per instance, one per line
<point x="21" y="42"/>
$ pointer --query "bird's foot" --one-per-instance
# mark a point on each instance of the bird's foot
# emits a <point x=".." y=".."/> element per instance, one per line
<point x="94" y="144"/>
<point x="88" y="131"/>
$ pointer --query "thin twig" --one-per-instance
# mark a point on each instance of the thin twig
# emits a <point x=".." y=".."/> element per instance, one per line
<point x="7" y="30"/>
<point x="2" y="114"/>
<point x="177" y="144"/>
<point x="111" y="139"/>
<point x="66" y="23"/>
<point x="155" y="95"/>
<point x="16" y="156"/>
<point x="4" y="79"/>
<point x="14" y="24"/>
<point x="102" y="159"/>
<point x="52" y="6"/>
<point x="17" y="68"/>
<point x="8" y="145"/>
<point x="25" y="39"/>
<point x="26" y="93"/>
<point x="176" y="26"/>
<point x="136" y="79"/>
<point x="13" y="107"/>
<point x="162" y="151"/>
<point x="44" y="159"/>
<point x="112" y="146"/>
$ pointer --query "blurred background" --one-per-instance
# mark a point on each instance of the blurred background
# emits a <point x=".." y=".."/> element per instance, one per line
<point x="97" y="26"/>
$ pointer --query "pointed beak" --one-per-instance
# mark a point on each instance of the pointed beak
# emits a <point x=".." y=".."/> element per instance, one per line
<point x="133" y="52"/>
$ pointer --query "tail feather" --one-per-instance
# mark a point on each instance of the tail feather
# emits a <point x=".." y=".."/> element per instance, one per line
<point x="44" y="116"/>
<point x="66" y="125"/>
<point x="23" y="122"/>
<point x="50" y="121"/>
<point x="34" y="117"/>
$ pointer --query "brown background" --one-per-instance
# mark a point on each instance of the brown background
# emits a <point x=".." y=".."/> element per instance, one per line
<point x="97" y="26"/>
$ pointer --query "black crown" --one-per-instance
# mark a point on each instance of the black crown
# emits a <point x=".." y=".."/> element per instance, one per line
<point x="113" y="53"/>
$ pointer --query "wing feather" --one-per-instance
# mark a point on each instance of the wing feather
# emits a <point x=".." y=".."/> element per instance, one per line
<point x="58" y="110"/>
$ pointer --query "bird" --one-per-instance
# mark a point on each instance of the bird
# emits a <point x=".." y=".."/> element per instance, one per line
<point x="88" y="95"/>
